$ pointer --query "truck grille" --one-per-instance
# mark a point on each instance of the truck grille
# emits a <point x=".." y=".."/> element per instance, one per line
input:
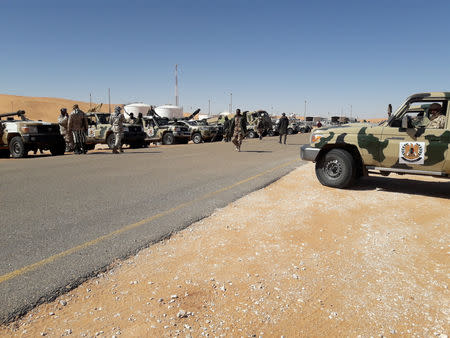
<point x="48" y="129"/>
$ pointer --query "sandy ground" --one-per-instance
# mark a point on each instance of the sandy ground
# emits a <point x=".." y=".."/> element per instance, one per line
<point x="41" y="108"/>
<point x="293" y="259"/>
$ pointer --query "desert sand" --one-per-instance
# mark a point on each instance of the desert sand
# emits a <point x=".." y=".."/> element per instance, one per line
<point x="293" y="259"/>
<point x="41" y="108"/>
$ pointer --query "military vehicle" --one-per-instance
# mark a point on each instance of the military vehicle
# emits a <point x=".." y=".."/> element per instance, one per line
<point x="99" y="131"/>
<point x="400" y="145"/>
<point x="201" y="131"/>
<point x="161" y="129"/>
<point x="19" y="136"/>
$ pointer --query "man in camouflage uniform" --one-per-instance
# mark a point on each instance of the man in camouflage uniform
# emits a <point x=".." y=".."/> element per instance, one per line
<point x="116" y="120"/>
<point x="238" y="129"/>
<point x="437" y="120"/>
<point x="77" y="125"/>
<point x="260" y="126"/>
<point x="63" y="121"/>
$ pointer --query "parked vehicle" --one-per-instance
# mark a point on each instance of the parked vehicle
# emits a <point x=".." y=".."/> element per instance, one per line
<point x="19" y="135"/>
<point x="407" y="143"/>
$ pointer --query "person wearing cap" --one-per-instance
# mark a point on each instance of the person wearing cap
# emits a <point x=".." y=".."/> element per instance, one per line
<point x="116" y="119"/>
<point x="283" y="126"/>
<point x="437" y="120"/>
<point x="77" y="126"/>
<point x="238" y="129"/>
<point x="63" y="121"/>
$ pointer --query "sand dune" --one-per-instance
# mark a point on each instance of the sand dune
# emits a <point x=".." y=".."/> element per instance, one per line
<point x="41" y="108"/>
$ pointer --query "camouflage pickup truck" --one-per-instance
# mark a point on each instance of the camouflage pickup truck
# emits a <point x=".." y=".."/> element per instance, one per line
<point x="161" y="129"/>
<point x="19" y="136"/>
<point x="99" y="131"/>
<point x="414" y="140"/>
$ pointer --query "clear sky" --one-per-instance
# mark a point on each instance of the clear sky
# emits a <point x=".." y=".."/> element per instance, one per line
<point x="270" y="55"/>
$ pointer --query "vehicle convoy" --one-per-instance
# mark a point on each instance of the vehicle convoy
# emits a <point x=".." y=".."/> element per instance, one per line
<point x="19" y="136"/>
<point x="99" y="131"/>
<point x="414" y="140"/>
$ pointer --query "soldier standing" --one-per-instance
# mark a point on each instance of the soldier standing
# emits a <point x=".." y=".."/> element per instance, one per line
<point x="131" y="119"/>
<point x="238" y="129"/>
<point x="283" y="125"/>
<point x="116" y="120"/>
<point x="77" y="126"/>
<point x="260" y="126"/>
<point x="139" y="121"/>
<point x="226" y="129"/>
<point x="63" y="121"/>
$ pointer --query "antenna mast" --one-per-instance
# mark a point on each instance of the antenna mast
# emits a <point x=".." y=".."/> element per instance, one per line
<point x="176" y="85"/>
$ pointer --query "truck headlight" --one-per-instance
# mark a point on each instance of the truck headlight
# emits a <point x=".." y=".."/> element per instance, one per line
<point x="30" y="129"/>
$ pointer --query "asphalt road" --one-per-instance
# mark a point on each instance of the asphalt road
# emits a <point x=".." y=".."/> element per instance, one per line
<point x="64" y="219"/>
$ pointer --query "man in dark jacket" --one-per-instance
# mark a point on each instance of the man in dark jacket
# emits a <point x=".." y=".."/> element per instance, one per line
<point x="283" y="125"/>
<point x="238" y="129"/>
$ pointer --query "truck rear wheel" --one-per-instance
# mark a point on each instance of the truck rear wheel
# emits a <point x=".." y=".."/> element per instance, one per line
<point x="17" y="147"/>
<point x="336" y="169"/>
<point x="111" y="140"/>
<point x="168" y="138"/>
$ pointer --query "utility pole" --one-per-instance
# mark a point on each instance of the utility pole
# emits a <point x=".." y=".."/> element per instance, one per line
<point x="209" y="107"/>
<point x="351" y="112"/>
<point x="176" y="85"/>
<point x="304" y="116"/>
<point x="231" y="103"/>
<point x="109" y="100"/>
<point x="90" y="101"/>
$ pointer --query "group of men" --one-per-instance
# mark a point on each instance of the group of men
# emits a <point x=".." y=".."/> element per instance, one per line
<point x="74" y="127"/>
<point x="236" y="128"/>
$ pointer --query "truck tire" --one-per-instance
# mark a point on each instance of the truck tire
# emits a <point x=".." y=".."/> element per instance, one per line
<point x="17" y="148"/>
<point x="111" y="140"/>
<point x="197" y="138"/>
<point x="168" y="138"/>
<point x="58" y="149"/>
<point x="251" y="134"/>
<point x="336" y="169"/>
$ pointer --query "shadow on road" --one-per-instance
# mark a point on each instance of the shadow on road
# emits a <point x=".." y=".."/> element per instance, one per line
<point x="406" y="186"/>
<point x="124" y="153"/>
<point x="256" y="151"/>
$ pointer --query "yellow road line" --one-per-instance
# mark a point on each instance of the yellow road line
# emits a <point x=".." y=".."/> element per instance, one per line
<point x="50" y="259"/>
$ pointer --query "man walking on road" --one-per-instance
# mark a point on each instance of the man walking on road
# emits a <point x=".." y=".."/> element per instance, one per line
<point x="283" y="125"/>
<point x="77" y="126"/>
<point x="238" y="129"/>
<point x="116" y="121"/>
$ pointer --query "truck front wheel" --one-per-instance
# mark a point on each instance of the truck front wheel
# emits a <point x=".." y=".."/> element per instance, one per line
<point x="336" y="169"/>
<point x="17" y="147"/>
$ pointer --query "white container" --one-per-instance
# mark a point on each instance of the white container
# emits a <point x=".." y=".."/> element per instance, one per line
<point x="169" y="111"/>
<point x="136" y="108"/>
